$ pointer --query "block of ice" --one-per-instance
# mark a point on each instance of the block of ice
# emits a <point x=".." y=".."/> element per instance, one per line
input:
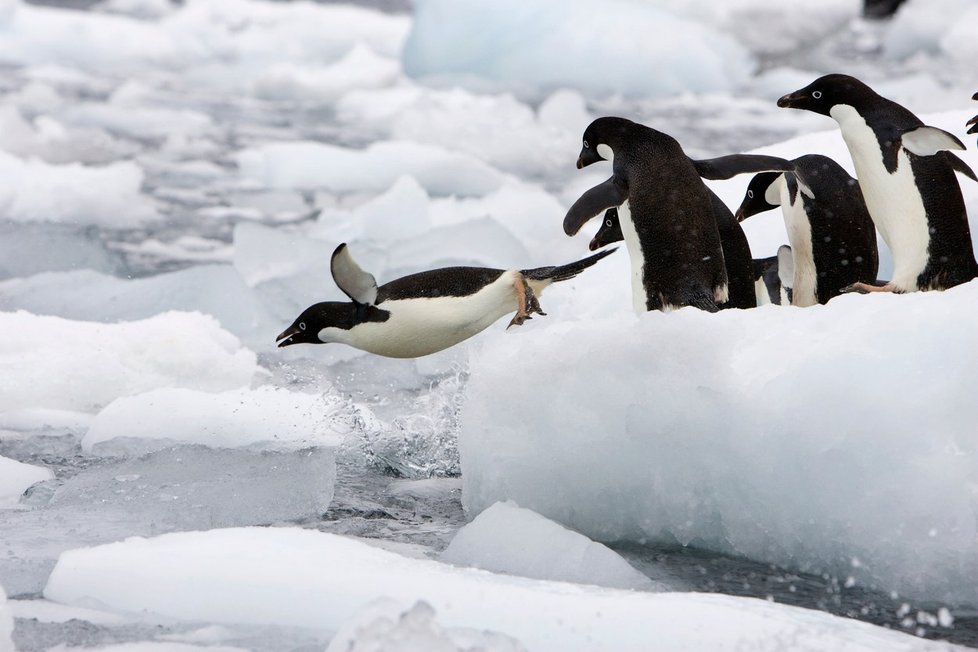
<point x="217" y="290"/>
<point x="253" y="575"/>
<point x="505" y="538"/>
<point x="108" y="196"/>
<point x="73" y="365"/>
<point x="29" y="248"/>
<point x="836" y="439"/>
<point x="360" y="68"/>
<point x="592" y="46"/>
<point x="15" y="478"/>
<point x="266" y="417"/>
<point x="6" y="623"/>
<point x="310" y="166"/>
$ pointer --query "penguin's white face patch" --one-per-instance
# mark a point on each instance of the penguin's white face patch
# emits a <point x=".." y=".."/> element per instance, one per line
<point x="605" y="152"/>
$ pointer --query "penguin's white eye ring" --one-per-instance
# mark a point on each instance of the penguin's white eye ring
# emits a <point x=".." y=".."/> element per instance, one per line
<point x="817" y="95"/>
<point x="607" y="223"/>
<point x="302" y="325"/>
<point x="586" y="145"/>
<point x="750" y="194"/>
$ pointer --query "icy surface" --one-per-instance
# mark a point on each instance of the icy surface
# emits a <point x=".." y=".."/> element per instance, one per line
<point x="338" y="577"/>
<point x="267" y="416"/>
<point x="6" y="624"/>
<point x="16" y="478"/>
<point x="505" y="538"/>
<point x="724" y="432"/>
<point x="56" y="363"/>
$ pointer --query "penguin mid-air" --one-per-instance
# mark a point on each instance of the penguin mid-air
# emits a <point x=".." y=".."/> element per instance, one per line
<point x="665" y="211"/>
<point x="907" y="179"/>
<point x="425" y="312"/>
<point x="733" y="243"/>
<point x="833" y="241"/>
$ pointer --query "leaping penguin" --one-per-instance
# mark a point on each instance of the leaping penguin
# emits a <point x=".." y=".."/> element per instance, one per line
<point x="907" y="179"/>
<point x="833" y="242"/>
<point x="666" y="215"/>
<point x="423" y="313"/>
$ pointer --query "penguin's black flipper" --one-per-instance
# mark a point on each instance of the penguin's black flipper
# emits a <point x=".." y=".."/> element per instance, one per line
<point x="726" y="167"/>
<point x="961" y="166"/>
<point x="357" y="284"/>
<point x="565" y="272"/>
<point x="595" y="201"/>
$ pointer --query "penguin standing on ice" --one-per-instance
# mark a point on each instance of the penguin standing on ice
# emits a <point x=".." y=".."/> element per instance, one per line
<point x="733" y="242"/>
<point x="426" y="312"/>
<point x="833" y="241"/>
<point x="973" y="123"/>
<point x="907" y="179"/>
<point x="666" y="215"/>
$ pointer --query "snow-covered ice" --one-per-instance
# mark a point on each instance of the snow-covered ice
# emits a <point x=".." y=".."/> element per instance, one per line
<point x="506" y="538"/>
<point x="337" y="577"/>
<point x="6" y="624"/>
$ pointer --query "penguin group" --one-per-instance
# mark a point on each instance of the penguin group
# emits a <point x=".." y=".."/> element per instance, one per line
<point x="686" y="247"/>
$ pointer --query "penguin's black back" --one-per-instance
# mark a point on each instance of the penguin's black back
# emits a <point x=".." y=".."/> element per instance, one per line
<point x="672" y="212"/>
<point x="843" y="235"/>
<point x="736" y="256"/>
<point x="444" y="282"/>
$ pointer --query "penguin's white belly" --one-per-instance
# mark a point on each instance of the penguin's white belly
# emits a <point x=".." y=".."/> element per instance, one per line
<point x="422" y="326"/>
<point x="637" y="258"/>
<point x="893" y="200"/>
<point x="804" y="281"/>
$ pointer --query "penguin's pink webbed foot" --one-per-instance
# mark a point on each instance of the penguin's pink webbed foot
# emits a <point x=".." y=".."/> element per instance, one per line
<point x="865" y="288"/>
<point x="526" y="302"/>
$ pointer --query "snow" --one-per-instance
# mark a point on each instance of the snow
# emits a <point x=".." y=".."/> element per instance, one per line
<point x="16" y="478"/>
<point x="49" y="362"/>
<point x="505" y="538"/>
<point x="338" y="577"/>
<point x="273" y="417"/>
<point x="751" y="445"/>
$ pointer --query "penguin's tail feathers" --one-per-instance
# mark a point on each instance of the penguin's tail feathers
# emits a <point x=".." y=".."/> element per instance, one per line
<point x="701" y="300"/>
<point x="565" y="272"/>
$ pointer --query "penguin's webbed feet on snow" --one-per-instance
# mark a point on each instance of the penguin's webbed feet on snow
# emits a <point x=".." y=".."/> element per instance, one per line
<point x="865" y="288"/>
<point x="526" y="302"/>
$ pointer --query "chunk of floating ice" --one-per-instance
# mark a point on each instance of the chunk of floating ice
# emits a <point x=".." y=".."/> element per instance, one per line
<point x="254" y="575"/>
<point x="49" y="362"/>
<point x="269" y="417"/>
<point x="797" y="437"/>
<point x="506" y="538"/>
<point x="16" y="477"/>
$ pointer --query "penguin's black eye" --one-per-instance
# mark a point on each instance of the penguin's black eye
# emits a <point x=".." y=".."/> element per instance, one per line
<point x="586" y="145"/>
<point x="302" y="325"/>
<point x="750" y="194"/>
<point x="817" y="95"/>
<point x="607" y="223"/>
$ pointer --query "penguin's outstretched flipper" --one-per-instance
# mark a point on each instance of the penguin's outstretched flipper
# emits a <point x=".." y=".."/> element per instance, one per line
<point x="595" y="201"/>
<point x="727" y="167"/>
<point x="357" y="284"/>
<point x="960" y="166"/>
<point x="927" y="141"/>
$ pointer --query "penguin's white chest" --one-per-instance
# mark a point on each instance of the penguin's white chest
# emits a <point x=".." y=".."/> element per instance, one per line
<point x="637" y="258"/>
<point x="422" y="326"/>
<point x="893" y="200"/>
<point x="804" y="277"/>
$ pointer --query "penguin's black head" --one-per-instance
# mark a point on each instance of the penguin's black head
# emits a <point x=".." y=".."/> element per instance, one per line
<point x="307" y="327"/>
<point x="755" y="199"/>
<point x="609" y="232"/>
<point x="829" y="91"/>
<point x="601" y="139"/>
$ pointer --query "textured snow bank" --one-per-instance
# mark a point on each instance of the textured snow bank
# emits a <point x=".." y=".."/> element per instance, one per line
<point x="313" y="579"/>
<point x="16" y="477"/>
<point x="506" y="538"/>
<point x="268" y="416"/>
<point x="838" y="438"/>
<point x="72" y="365"/>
